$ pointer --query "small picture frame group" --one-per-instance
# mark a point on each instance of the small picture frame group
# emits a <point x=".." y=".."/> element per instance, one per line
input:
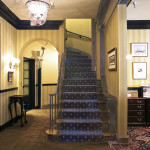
<point x="139" y="70"/>
<point x="10" y="76"/>
<point x="139" y="49"/>
<point x="112" y="60"/>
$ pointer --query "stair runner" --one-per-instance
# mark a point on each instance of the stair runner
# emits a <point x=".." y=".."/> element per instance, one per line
<point x="80" y="115"/>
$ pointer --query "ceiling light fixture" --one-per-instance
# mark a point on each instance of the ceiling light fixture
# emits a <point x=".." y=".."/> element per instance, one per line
<point x="38" y="10"/>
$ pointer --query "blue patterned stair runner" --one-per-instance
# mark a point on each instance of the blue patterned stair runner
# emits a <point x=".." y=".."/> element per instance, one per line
<point x="80" y="116"/>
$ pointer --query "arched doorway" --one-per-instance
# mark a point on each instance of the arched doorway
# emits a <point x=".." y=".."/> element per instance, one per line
<point x="38" y="69"/>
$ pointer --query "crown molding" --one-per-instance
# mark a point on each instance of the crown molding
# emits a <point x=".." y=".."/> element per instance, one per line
<point x="11" y="18"/>
<point x="106" y="9"/>
<point x="138" y="24"/>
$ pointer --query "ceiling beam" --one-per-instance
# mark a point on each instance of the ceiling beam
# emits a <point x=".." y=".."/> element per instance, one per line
<point x="10" y="17"/>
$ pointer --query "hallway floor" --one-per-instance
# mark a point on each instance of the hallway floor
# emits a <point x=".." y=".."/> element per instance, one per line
<point x="32" y="136"/>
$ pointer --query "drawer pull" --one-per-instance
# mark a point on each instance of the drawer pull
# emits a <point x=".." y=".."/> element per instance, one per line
<point x="139" y="119"/>
<point x="139" y="113"/>
<point x="139" y="101"/>
<point x="139" y="107"/>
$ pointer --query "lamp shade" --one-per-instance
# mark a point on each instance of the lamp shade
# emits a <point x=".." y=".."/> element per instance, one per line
<point x="37" y="12"/>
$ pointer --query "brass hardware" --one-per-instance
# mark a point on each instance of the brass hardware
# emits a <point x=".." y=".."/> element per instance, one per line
<point x="139" y="119"/>
<point x="139" y="107"/>
<point x="139" y="101"/>
<point x="139" y="113"/>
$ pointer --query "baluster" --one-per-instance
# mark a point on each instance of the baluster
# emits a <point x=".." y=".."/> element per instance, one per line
<point x="52" y="114"/>
<point x="55" y="108"/>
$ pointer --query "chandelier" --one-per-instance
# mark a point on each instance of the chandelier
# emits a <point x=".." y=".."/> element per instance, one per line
<point x="37" y="11"/>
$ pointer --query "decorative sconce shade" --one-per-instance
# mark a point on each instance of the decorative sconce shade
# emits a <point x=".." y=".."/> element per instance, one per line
<point x="14" y="63"/>
<point x="37" y="11"/>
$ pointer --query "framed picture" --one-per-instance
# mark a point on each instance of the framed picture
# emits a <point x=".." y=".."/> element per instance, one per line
<point x="10" y="76"/>
<point x="139" y="70"/>
<point x="112" y="60"/>
<point x="139" y="49"/>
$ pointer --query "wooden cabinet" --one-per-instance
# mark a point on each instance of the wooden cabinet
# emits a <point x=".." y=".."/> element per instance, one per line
<point x="138" y="111"/>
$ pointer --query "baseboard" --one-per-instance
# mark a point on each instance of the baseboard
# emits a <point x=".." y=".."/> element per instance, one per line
<point x="5" y="125"/>
<point x="122" y="139"/>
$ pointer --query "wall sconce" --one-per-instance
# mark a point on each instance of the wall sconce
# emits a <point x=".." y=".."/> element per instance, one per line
<point x="14" y="63"/>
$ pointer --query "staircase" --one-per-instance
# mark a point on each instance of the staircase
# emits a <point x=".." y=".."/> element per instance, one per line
<point x="80" y="117"/>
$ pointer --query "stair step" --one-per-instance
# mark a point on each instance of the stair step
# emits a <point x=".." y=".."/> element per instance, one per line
<point x="80" y="110"/>
<point x="80" y="95"/>
<point x="81" y="136"/>
<point x="80" y="104"/>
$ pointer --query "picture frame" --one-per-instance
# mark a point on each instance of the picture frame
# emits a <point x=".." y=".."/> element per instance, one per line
<point x="112" y="60"/>
<point x="10" y="76"/>
<point x="139" y="70"/>
<point x="139" y="49"/>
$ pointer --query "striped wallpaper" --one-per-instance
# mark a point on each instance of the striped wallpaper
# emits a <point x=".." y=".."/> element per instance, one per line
<point x="12" y="44"/>
<point x="8" y="49"/>
<point x="111" y="41"/>
<point x="138" y="36"/>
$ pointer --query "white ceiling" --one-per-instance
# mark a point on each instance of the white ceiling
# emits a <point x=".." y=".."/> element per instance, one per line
<point x="140" y="12"/>
<point x="62" y="9"/>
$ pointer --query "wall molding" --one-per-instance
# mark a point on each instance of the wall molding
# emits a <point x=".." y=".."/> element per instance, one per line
<point x="138" y="24"/>
<point x="8" y="90"/>
<point x="11" y="18"/>
<point x="49" y="84"/>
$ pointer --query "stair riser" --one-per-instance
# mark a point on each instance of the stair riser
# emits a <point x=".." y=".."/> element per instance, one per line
<point x="79" y="82"/>
<point x="78" y="61"/>
<point x="80" y="126"/>
<point x="81" y="70"/>
<point x="81" y="105"/>
<point x="80" y="96"/>
<point x="79" y="89"/>
<point x="81" y="115"/>
<point x="78" y="115"/>
<point x="69" y="138"/>
<point x="76" y="56"/>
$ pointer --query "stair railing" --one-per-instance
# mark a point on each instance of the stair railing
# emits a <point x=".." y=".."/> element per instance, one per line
<point x="55" y="98"/>
<point x="79" y="35"/>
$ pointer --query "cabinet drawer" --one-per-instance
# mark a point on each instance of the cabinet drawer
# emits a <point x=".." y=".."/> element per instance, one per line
<point x="136" y="107"/>
<point x="136" y="119"/>
<point x="136" y="113"/>
<point x="136" y="101"/>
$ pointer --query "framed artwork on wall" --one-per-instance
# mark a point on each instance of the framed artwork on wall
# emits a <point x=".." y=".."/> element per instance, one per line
<point x="112" y="59"/>
<point x="10" y="76"/>
<point x="139" y="49"/>
<point x="139" y="70"/>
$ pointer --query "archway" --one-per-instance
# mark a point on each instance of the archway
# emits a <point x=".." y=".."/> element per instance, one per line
<point x="48" y="65"/>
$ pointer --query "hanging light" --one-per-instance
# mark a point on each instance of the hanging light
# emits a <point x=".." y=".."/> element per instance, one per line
<point x="37" y="11"/>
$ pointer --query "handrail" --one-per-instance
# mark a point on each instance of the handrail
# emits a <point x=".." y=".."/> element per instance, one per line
<point x="55" y="98"/>
<point x="80" y="36"/>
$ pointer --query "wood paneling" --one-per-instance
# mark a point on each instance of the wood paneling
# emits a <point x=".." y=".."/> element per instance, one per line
<point x="137" y="36"/>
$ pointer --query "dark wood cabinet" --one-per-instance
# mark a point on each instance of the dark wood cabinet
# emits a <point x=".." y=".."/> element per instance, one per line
<point x="138" y="111"/>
